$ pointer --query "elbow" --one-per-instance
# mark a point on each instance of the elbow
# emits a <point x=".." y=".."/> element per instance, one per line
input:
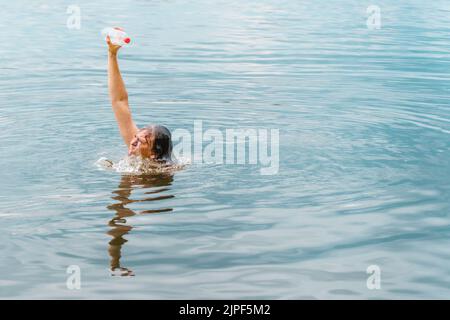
<point x="120" y="99"/>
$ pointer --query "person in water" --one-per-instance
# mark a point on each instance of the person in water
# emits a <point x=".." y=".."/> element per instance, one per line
<point x="153" y="142"/>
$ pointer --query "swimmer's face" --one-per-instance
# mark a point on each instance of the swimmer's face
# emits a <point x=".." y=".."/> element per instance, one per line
<point x="153" y="142"/>
<point x="140" y="146"/>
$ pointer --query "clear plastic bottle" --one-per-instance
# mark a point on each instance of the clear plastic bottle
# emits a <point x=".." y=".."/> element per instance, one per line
<point x="117" y="36"/>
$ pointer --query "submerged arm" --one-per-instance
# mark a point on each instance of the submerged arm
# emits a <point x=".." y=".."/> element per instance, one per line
<point x="119" y="96"/>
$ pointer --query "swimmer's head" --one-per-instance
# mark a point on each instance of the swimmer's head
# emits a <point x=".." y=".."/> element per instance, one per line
<point x="153" y="142"/>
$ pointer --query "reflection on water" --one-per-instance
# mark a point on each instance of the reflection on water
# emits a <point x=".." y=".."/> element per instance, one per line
<point x="148" y="186"/>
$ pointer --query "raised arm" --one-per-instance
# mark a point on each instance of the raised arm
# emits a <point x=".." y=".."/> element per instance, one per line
<point x="119" y="96"/>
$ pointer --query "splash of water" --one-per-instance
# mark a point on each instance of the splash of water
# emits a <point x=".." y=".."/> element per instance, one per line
<point x="139" y="165"/>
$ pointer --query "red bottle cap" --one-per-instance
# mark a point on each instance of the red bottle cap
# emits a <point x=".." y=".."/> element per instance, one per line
<point x="127" y="40"/>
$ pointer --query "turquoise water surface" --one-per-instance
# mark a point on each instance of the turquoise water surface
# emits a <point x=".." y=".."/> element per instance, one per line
<point x="364" y="123"/>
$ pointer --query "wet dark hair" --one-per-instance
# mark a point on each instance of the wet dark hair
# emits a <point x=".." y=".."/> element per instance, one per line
<point x="160" y="141"/>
